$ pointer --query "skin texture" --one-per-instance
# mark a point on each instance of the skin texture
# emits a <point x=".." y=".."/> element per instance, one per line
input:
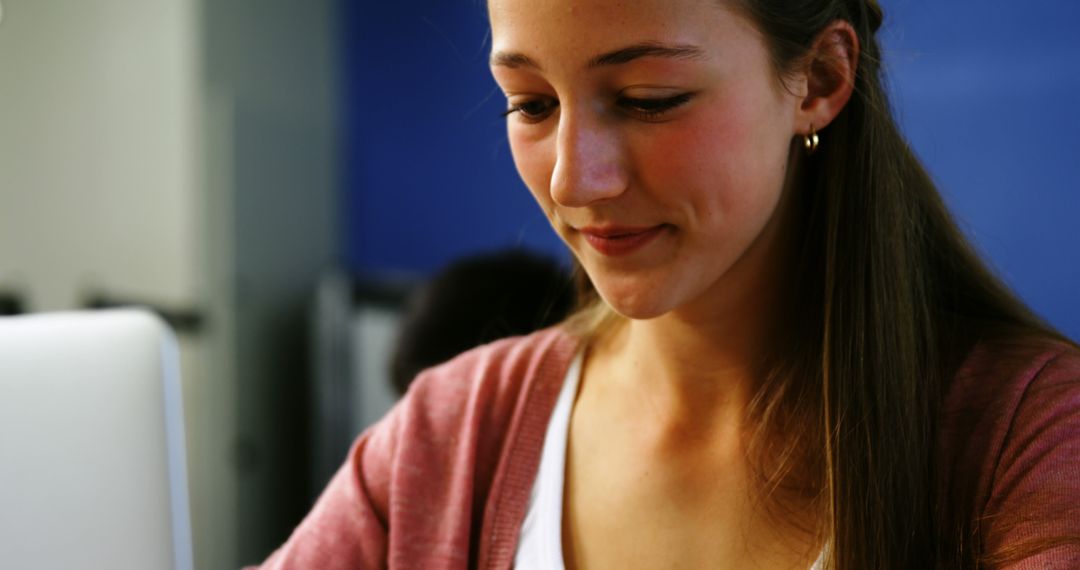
<point x="656" y="473"/>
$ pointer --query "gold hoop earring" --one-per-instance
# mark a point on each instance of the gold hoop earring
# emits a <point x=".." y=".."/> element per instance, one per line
<point x="811" y="141"/>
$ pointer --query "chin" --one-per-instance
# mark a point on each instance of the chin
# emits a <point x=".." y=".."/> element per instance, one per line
<point x="636" y="294"/>
<point x="638" y="307"/>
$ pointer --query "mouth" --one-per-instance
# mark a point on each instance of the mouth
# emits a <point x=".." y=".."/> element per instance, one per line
<point x="614" y="241"/>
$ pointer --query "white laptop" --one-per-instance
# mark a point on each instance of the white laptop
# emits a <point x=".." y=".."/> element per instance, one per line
<point x="92" y="467"/>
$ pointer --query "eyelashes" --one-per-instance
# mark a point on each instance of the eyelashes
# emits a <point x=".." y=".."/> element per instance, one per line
<point x="654" y="108"/>
<point x="536" y="110"/>
<point x="533" y="111"/>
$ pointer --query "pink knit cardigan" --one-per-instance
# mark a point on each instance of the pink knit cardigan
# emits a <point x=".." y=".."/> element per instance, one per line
<point x="443" y="481"/>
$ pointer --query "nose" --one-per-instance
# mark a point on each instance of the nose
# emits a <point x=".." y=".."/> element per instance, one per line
<point x="589" y="162"/>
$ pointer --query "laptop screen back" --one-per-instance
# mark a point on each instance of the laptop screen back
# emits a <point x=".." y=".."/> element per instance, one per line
<point x="92" y="468"/>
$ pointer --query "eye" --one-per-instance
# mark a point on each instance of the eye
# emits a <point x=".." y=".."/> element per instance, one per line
<point x="654" y="108"/>
<point x="533" y="111"/>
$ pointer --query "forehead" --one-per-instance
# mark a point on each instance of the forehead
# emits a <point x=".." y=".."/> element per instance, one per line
<point x="569" y="31"/>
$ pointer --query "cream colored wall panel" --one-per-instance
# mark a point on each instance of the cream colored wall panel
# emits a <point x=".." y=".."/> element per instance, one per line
<point x="98" y="161"/>
<point x="102" y="189"/>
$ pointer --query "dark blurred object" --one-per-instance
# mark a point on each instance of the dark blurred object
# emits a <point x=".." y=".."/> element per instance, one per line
<point x="183" y="321"/>
<point x="390" y="293"/>
<point x="477" y="300"/>
<point x="11" y="304"/>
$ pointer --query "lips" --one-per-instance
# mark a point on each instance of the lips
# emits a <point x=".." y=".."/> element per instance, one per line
<point x="617" y="241"/>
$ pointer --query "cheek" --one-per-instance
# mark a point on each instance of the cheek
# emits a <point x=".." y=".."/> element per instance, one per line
<point x="727" y="162"/>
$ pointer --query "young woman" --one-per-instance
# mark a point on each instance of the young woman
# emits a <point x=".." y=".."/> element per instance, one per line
<point x="787" y="355"/>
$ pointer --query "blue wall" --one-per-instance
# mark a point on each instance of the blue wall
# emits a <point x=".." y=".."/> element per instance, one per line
<point x="988" y="91"/>
<point x="429" y="176"/>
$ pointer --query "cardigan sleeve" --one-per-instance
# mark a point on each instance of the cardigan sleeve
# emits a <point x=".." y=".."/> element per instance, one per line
<point x="1032" y="517"/>
<point x="344" y="530"/>
<point x="417" y="488"/>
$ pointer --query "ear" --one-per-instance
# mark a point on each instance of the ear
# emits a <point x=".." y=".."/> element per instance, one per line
<point x="830" y="76"/>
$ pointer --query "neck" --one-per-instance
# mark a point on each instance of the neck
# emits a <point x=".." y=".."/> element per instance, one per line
<point x="703" y="361"/>
<point x="697" y="367"/>
<point x="700" y="364"/>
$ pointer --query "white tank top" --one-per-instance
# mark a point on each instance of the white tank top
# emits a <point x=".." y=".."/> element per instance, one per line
<point x="540" y="542"/>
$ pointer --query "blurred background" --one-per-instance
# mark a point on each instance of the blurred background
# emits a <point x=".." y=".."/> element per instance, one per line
<point x="279" y="179"/>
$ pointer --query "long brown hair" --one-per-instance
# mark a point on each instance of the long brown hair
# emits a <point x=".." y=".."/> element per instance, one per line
<point x="890" y="298"/>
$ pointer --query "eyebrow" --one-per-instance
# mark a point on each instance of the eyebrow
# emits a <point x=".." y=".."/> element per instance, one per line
<point x="616" y="57"/>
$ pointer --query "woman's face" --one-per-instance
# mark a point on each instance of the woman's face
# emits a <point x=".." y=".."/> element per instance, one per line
<point x="654" y="135"/>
